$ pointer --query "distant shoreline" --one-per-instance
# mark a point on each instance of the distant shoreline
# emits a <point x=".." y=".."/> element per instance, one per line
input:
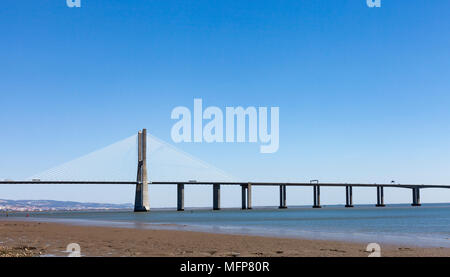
<point x="51" y="239"/>
<point x="55" y="205"/>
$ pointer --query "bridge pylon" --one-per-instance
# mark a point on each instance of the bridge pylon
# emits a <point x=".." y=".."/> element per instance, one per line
<point x="141" y="202"/>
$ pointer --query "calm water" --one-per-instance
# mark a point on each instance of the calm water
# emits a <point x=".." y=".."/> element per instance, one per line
<point x="428" y="225"/>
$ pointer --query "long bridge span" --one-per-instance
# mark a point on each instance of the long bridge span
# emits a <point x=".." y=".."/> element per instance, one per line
<point x="141" y="183"/>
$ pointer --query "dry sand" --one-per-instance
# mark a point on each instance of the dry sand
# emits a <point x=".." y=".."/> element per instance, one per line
<point x="38" y="238"/>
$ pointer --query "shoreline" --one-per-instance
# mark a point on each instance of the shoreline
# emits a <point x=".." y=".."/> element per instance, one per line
<point x="218" y="230"/>
<point x="39" y="238"/>
<point x="181" y="222"/>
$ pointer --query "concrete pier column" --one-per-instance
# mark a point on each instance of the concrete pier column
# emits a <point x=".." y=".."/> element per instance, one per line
<point x="380" y="196"/>
<point x="349" y="197"/>
<point x="141" y="202"/>
<point x="249" y="196"/>
<point x="244" y="202"/>
<point x="416" y="197"/>
<point x="316" y="192"/>
<point x="180" y="197"/>
<point x="216" y="197"/>
<point x="283" y="197"/>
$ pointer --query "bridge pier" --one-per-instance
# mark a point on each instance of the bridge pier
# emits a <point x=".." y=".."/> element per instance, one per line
<point x="416" y="197"/>
<point x="380" y="196"/>
<point x="246" y="196"/>
<point x="180" y="197"/>
<point x="216" y="197"/>
<point x="249" y="196"/>
<point x="316" y="193"/>
<point x="282" y="197"/>
<point x="349" y="197"/>
<point x="244" y="202"/>
<point x="141" y="202"/>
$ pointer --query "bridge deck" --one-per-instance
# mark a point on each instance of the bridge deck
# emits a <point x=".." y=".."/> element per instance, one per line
<point x="221" y="183"/>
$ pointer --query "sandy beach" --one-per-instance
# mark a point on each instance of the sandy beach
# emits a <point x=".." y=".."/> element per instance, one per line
<point x="22" y="238"/>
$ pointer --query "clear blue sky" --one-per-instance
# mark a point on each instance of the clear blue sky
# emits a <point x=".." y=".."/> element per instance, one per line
<point x="364" y="94"/>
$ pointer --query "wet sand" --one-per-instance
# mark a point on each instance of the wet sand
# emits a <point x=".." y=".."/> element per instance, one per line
<point x="22" y="238"/>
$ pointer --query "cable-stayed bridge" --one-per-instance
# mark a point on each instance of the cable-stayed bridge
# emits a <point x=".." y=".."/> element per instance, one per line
<point x="144" y="160"/>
